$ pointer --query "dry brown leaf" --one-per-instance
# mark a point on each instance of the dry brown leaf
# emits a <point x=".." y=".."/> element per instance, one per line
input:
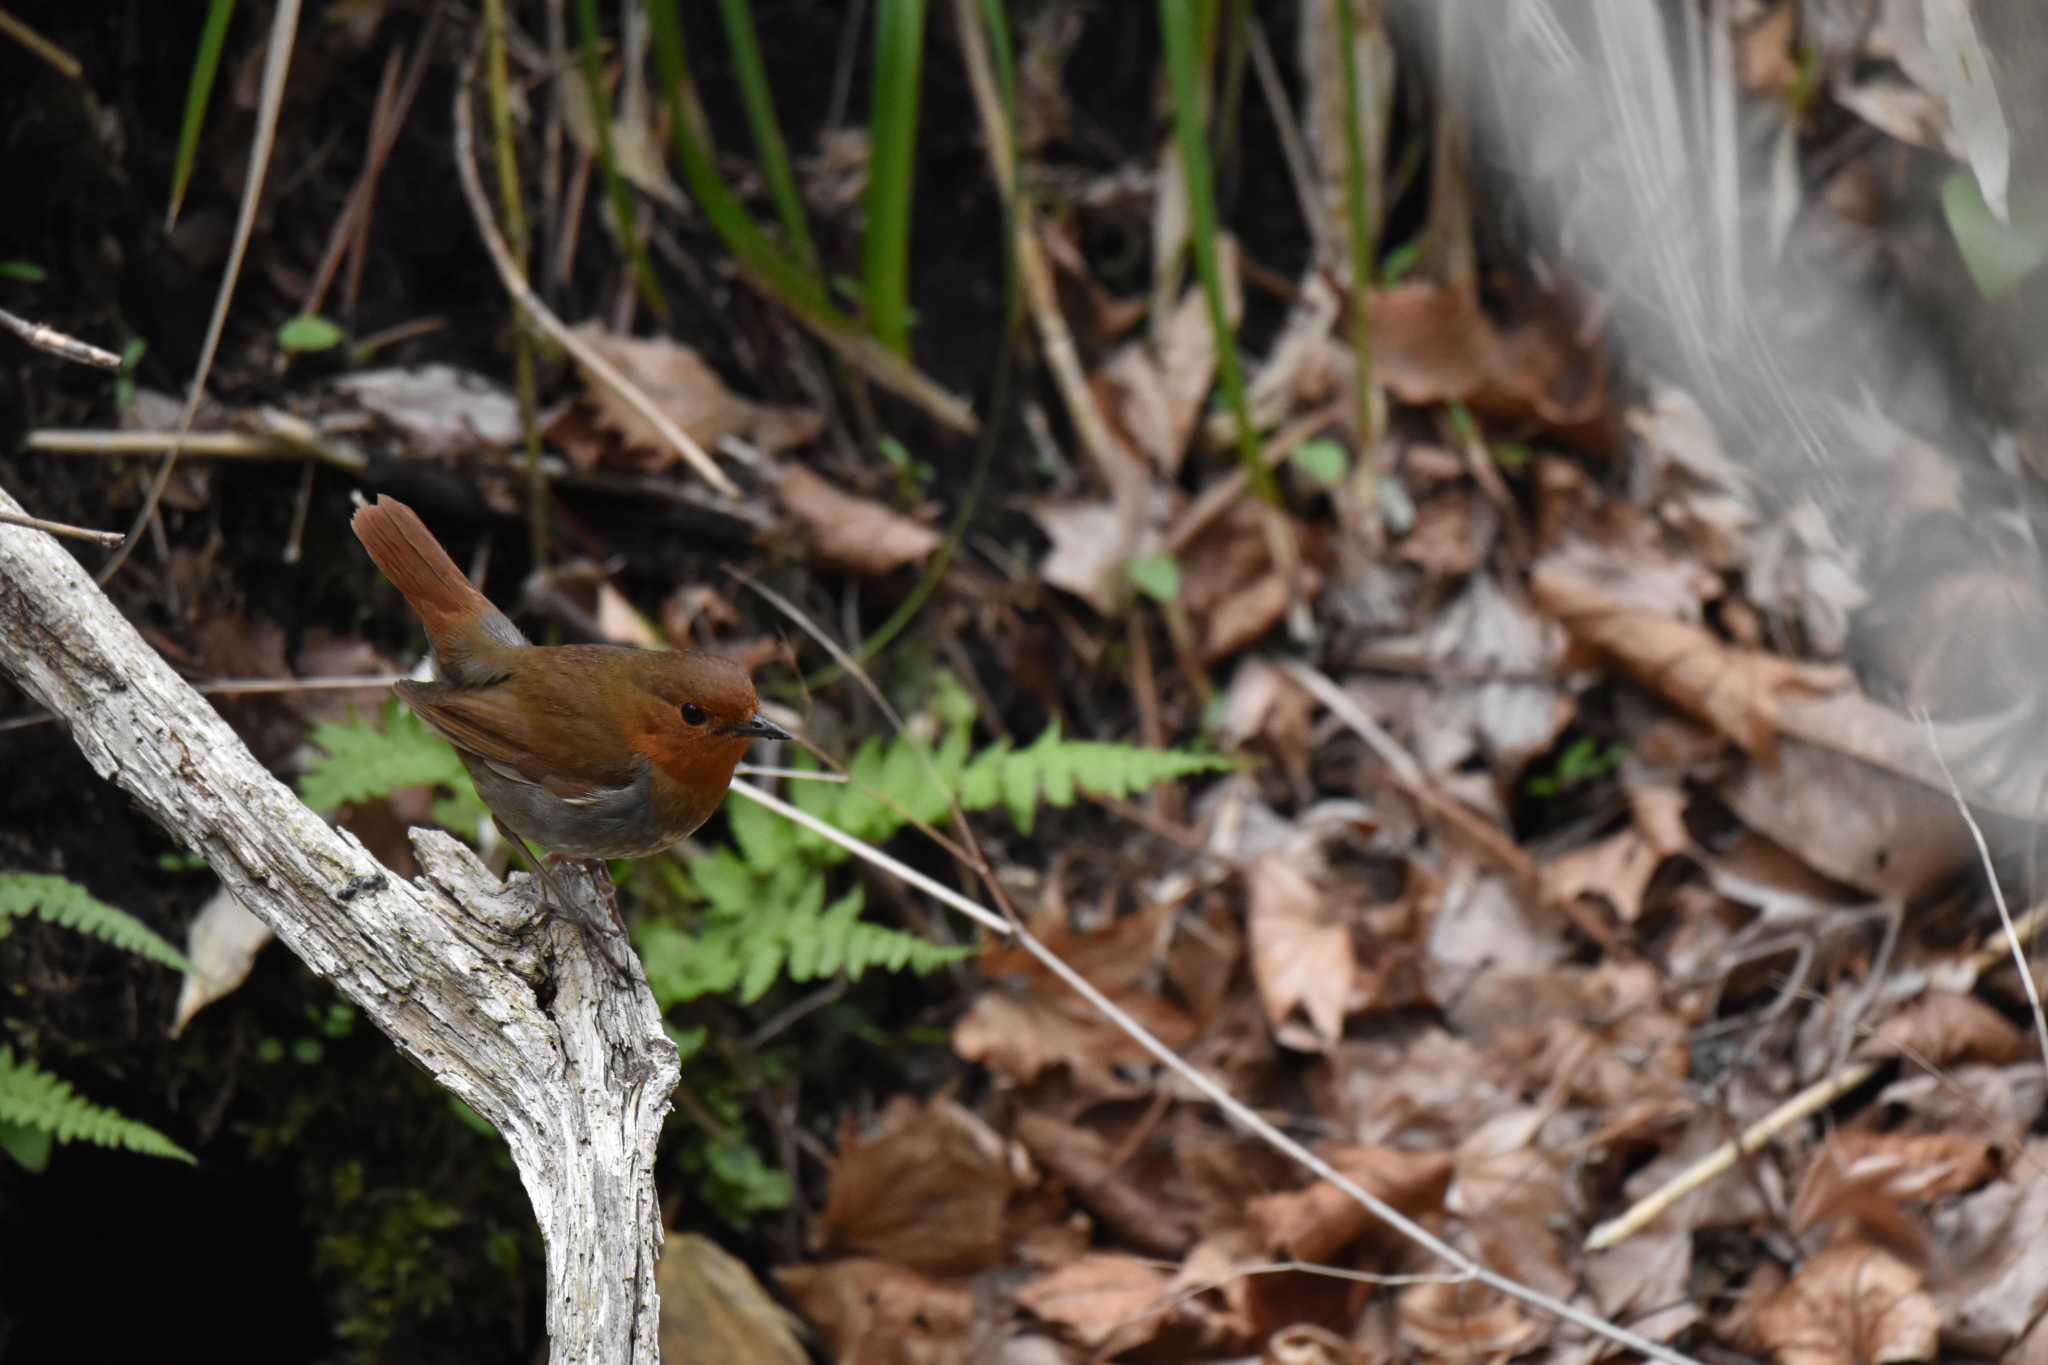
<point x="1943" y="1029"/>
<point x="1451" y="535"/>
<point x="1246" y="614"/>
<point x="1315" y="1223"/>
<point x="323" y="654"/>
<point x="438" y="411"/>
<point x="1485" y="927"/>
<point x="852" y="533"/>
<point x="1106" y="1302"/>
<point x="692" y="395"/>
<point x="1852" y="1305"/>
<point x="1431" y="343"/>
<point x="1465" y="1321"/>
<point x="1765" y="61"/>
<point x="925" y="1186"/>
<point x="1991" y="1099"/>
<point x="713" y="1310"/>
<point x="1870" y="1177"/>
<point x="1085" y="1162"/>
<point x="1991" y="1279"/>
<point x="874" y="1313"/>
<point x="1306" y="1344"/>
<point x="1030" y="1022"/>
<point x="1264" y="705"/>
<point x="222" y="942"/>
<point x="1416" y="1092"/>
<point x="1155" y="386"/>
<point x="1737" y="691"/>
<point x="1090" y="548"/>
<point x="1514" y="1198"/>
<point x="1301" y="952"/>
<point x="1617" y="869"/>
<point x="1647" y="1282"/>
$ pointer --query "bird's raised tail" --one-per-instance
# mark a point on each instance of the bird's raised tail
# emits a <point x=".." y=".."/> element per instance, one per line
<point x="466" y="631"/>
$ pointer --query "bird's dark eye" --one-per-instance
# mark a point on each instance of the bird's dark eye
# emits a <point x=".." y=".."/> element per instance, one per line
<point x="693" y="713"/>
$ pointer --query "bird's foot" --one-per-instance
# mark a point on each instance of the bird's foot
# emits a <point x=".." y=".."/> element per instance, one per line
<point x="600" y="872"/>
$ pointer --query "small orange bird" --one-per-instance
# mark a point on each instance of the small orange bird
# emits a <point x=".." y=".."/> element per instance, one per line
<point x="592" y="751"/>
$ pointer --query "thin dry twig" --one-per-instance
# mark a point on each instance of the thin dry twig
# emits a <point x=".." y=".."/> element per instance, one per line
<point x="35" y="42"/>
<point x="277" y="60"/>
<point x="58" y="528"/>
<point x="44" y="337"/>
<point x="2019" y="954"/>
<point x="544" y="317"/>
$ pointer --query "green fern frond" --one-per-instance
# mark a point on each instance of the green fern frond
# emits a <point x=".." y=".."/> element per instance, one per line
<point x="33" y="1099"/>
<point x="1053" y="770"/>
<point x="743" y="950"/>
<point x="362" y="762"/>
<point x="67" y="903"/>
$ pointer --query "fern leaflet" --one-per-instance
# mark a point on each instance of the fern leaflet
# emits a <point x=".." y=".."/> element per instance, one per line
<point x="67" y="903"/>
<point x="33" y="1099"/>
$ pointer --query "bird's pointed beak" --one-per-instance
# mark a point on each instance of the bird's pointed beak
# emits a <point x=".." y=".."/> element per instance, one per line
<point x="760" y="727"/>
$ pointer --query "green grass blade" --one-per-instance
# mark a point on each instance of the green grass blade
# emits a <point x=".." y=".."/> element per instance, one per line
<point x="198" y="93"/>
<point x="744" y="47"/>
<point x="1357" y="206"/>
<point x="892" y="169"/>
<point x="771" y="269"/>
<point x="769" y="265"/>
<point x="588" y="37"/>
<point x="1177" y="23"/>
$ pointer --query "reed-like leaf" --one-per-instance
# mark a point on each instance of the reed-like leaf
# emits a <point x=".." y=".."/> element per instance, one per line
<point x="198" y="94"/>
<point x="1177" y="22"/>
<point x="892" y="169"/>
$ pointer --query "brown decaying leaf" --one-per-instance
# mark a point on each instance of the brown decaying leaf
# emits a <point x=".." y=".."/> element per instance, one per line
<point x="874" y="1313"/>
<point x="1618" y="868"/>
<point x="1306" y="1344"/>
<point x="1087" y="557"/>
<point x="1432" y="343"/>
<point x="1853" y="1304"/>
<point x="713" y="1310"/>
<point x="1739" y="692"/>
<point x="1871" y="1177"/>
<point x="1137" y="1209"/>
<point x="222" y="942"/>
<point x="1991" y="1278"/>
<point x="1515" y="1199"/>
<point x="1301" y="952"/>
<point x="1107" y="1302"/>
<point x="925" y="1186"/>
<point x="1154" y="386"/>
<point x="1318" y="1222"/>
<point x="1647" y="1282"/>
<point x="1230" y="585"/>
<point x="1944" y="1029"/>
<point x="852" y="533"/>
<point x="438" y="411"/>
<point x="1465" y="1321"/>
<point x="1764" y="59"/>
<point x="1030" y="1022"/>
<point x="690" y="392"/>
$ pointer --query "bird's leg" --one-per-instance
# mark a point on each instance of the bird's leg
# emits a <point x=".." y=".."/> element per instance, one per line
<point x="600" y="872"/>
<point x="551" y="895"/>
